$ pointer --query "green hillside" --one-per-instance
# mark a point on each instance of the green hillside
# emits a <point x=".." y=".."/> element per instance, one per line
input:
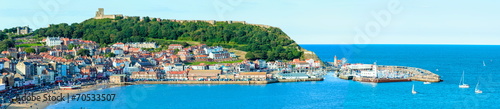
<point x="260" y="42"/>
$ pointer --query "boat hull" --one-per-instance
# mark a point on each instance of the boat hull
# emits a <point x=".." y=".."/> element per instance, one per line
<point x="463" y="86"/>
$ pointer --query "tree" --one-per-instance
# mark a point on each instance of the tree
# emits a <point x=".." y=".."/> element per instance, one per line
<point x="3" y="36"/>
<point x="83" y="52"/>
<point x="6" y="44"/>
<point x="146" y="19"/>
<point x="176" y="51"/>
<point x="250" y="56"/>
<point x="69" y="57"/>
<point x="71" y="46"/>
<point x="110" y="55"/>
<point x="43" y="49"/>
<point x="250" y="38"/>
<point x="9" y="57"/>
<point x="30" y="50"/>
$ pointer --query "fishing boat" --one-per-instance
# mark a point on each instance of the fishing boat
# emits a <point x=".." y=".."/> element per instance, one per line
<point x="462" y="82"/>
<point x="427" y="82"/>
<point x="477" y="90"/>
<point x="413" y="89"/>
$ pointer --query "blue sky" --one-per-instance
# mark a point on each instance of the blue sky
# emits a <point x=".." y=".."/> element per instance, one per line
<point x="306" y="21"/>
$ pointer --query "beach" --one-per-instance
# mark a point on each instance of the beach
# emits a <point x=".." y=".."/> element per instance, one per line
<point x="44" y="104"/>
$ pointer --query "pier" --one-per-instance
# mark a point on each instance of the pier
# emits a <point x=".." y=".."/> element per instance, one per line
<point x="383" y="73"/>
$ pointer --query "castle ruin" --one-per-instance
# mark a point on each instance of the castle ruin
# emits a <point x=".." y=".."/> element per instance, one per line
<point x="100" y="15"/>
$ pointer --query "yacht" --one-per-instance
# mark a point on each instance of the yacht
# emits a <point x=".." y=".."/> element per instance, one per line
<point x="462" y="83"/>
<point x="413" y="89"/>
<point x="477" y="90"/>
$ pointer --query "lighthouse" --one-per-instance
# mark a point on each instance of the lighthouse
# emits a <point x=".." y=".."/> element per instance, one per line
<point x="335" y="60"/>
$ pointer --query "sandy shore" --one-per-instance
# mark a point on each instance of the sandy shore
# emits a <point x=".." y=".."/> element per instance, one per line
<point x="43" y="105"/>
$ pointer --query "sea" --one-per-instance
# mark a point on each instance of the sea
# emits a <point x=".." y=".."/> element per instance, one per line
<point x="448" y="61"/>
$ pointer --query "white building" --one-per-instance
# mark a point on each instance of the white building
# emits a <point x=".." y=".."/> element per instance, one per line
<point x="118" y="52"/>
<point x="209" y="50"/>
<point x="2" y="86"/>
<point x="53" y="41"/>
<point x="119" y="45"/>
<point x="142" y="45"/>
<point x="366" y="70"/>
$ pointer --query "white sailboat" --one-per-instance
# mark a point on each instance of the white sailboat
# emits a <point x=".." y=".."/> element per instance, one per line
<point x="484" y="64"/>
<point x="477" y="90"/>
<point x="462" y="82"/>
<point x="413" y="89"/>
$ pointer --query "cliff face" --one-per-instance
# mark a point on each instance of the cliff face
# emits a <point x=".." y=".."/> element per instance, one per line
<point x="310" y="55"/>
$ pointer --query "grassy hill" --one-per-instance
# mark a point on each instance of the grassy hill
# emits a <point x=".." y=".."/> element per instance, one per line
<point x="254" y="42"/>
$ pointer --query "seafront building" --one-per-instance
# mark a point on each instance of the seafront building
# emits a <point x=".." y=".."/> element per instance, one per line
<point x="131" y="63"/>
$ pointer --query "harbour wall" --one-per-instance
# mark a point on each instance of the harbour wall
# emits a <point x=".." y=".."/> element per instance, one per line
<point x="416" y="74"/>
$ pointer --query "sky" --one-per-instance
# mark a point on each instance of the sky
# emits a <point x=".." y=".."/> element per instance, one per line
<point x="305" y="21"/>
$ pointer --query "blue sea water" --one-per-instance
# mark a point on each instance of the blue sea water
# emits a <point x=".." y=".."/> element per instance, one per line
<point x="450" y="60"/>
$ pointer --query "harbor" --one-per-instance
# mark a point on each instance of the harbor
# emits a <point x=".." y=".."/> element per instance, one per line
<point x="381" y="73"/>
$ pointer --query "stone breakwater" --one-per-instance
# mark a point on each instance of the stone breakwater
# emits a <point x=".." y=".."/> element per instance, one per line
<point x="417" y="74"/>
<point x="387" y="74"/>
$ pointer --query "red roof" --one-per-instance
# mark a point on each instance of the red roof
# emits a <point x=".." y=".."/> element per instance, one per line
<point x="201" y="56"/>
<point x="4" y="59"/>
<point x="134" y="49"/>
<point x="177" y="72"/>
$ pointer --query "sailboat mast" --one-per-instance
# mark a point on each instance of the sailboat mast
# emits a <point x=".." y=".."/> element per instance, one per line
<point x="477" y="85"/>
<point x="462" y="81"/>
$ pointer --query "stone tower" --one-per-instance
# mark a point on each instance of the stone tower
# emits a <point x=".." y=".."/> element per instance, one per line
<point x="99" y="13"/>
